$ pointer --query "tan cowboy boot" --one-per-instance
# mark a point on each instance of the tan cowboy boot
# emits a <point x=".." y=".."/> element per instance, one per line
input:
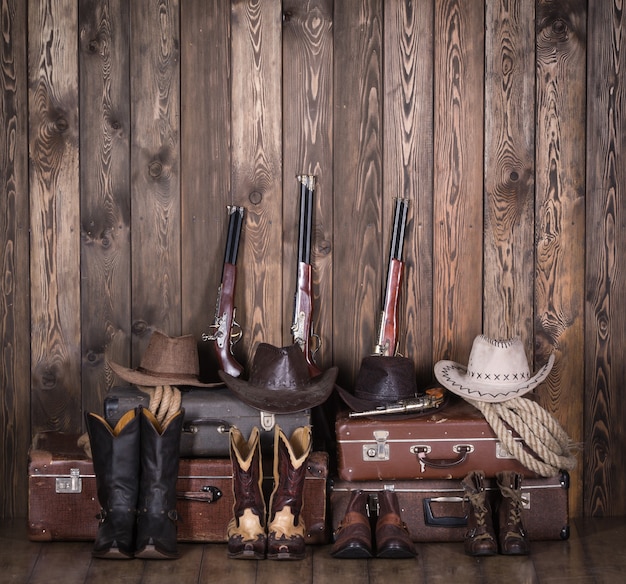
<point x="246" y="530"/>
<point x="480" y="539"/>
<point x="286" y="530"/>
<point x="512" y="535"/>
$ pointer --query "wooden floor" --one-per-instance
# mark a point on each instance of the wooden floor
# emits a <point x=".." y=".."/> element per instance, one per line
<point x="595" y="553"/>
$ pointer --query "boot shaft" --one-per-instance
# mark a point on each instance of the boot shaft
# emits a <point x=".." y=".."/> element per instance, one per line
<point x="246" y="461"/>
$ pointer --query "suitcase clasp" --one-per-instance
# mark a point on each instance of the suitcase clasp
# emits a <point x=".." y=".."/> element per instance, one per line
<point x="267" y="420"/>
<point x="71" y="484"/>
<point x="378" y="451"/>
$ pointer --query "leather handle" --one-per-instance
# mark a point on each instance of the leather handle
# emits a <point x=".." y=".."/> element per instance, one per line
<point x="463" y="451"/>
<point x="444" y="521"/>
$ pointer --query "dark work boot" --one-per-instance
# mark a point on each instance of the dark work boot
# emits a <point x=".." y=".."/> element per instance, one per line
<point x="353" y="537"/>
<point x="512" y="535"/>
<point x="392" y="534"/>
<point x="246" y="530"/>
<point x="480" y="539"/>
<point x="286" y="530"/>
<point x="156" y="509"/>
<point x="115" y="454"/>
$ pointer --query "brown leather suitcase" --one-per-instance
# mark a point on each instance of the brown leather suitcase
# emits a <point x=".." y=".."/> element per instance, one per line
<point x="446" y="444"/>
<point x="63" y="504"/>
<point x="434" y="511"/>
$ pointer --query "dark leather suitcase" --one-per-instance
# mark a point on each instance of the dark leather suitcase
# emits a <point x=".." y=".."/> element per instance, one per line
<point x="446" y="444"/>
<point x="434" y="511"/>
<point x="63" y="504"/>
<point x="209" y="414"/>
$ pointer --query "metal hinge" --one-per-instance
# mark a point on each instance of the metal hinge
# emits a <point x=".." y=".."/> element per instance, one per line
<point x="71" y="484"/>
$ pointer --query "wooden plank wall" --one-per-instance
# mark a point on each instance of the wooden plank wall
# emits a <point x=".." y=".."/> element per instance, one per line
<point x="128" y="127"/>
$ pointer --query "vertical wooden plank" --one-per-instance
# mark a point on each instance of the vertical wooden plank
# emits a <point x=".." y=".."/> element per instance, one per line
<point x="560" y="208"/>
<point x="105" y="193"/>
<point x="155" y="170"/>
<point x="14" y="283"/>
<point x="358" y="251"/>
<point x="605" y="290"/>
<point x="205" y="166"/>
<point x="458" y="180"/>
<point x="408" y="163"/>
<point x="257" y="165"/>
<point x="54" y="215"/>
<point x="509" y="171"/>
<point x="307" y="148"/>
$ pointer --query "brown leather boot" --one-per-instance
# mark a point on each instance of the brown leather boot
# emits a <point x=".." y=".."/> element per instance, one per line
<point x="286" y="528"/>
<point x="392" y="535"/>
<point x="353" y="537"/>
<point x="480" y="539"/>
<point x="512" y="535"/>
<point x="246" y="530"/>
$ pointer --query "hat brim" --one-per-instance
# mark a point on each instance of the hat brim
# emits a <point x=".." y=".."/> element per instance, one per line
<point x="453" y="376"/>
<point x="141" y="378"/>
<point x="283" y="401"/>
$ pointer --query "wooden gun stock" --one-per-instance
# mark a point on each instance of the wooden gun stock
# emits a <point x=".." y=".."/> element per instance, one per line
<point x="226" y="330"/>
<point x="303" y="313"/>
<point x="388" y="330"/>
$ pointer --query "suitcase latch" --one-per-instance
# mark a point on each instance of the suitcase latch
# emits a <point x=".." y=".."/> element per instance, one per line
<point x="71" y="484"/>
<point x="267" y="420"/>
<point x="378" y="451"/>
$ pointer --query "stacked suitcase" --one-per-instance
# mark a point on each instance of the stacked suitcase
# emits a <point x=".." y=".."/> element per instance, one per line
<point x="424" y="459"/>
<point x="63" y="503"/>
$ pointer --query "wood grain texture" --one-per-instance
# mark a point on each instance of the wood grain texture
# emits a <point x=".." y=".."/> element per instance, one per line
<point x="407" y="166"/>
<point x="14" y="287"/>
<point x="605" y="321"/>
<point x="509" y="172"/>
<point x="458" y="186"/>
<point x="105" y="194"/>
<point x="155" y="171"/>
<point x="560" y="219"/>
<point x="257" y="166"/>
<point x="205" y="168"/>
<point x="307" y="96"/>
<point x="54" y="216"/>
<point x="359" y="256"/>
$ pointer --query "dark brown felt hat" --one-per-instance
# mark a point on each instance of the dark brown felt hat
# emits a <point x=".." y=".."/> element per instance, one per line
<point x="166" y="361"/>
<point x="279" y="381"/>
<point x="381" y="381"/>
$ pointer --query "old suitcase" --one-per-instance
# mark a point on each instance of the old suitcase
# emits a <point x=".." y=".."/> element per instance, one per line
<point x="445" y="444"/>
<point x="209" y="414"/>
<point x="63" y="504"/>
<point x="433" y="509"/>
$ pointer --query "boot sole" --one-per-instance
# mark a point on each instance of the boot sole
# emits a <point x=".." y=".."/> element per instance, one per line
<point x="247" y="555"/>
<point x="151" y="553"/>
<point x="112" y="555"/>
<point x="396" y="553"/>
<point x="355" y="552"/>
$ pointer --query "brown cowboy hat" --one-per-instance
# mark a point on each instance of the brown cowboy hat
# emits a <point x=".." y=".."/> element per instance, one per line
<point x="381" y="381"/>
<point x="166" y="361"/>
<point x="279" y="381"/>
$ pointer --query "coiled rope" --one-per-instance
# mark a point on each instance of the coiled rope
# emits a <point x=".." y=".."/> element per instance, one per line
<point x="548" y="448"/>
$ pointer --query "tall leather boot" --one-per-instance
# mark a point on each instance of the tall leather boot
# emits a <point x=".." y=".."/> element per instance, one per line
<point x="512" y="535"/>
<point x="353" y="537"/>
<point x="286" y="530"/>
<point x="156" y="508"/>
<point x="246" y="530"/>
<point x="480" y="539"/>
<point x="115" y="453"/>
<point x="392" y="534"/>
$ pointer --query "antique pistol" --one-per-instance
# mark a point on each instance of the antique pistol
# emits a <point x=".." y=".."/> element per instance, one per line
<point x="225" y="330"/>
<point x="432" y="398"/>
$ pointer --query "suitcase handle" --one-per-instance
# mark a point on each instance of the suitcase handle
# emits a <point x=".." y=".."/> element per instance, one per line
<point x="463" y="451"/>
<point x="191" y="426"/>
<point x="208" y="494"/>
<point x="445" y="521"/>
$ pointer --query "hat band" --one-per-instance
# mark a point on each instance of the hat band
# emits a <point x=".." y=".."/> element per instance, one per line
<point x="152" y="373"/>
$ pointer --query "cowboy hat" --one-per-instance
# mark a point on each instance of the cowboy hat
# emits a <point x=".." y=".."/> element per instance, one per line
<point x="166" y="361"/>
<point x="279" y="381"/>
<point x="381" y="381"/>
<point x="497" y="371"/>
